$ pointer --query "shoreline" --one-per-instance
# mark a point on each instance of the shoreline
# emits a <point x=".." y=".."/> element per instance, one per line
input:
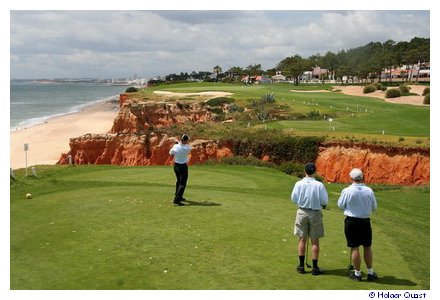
<point x="76" y="109"/>
<point x="48" y="140"/>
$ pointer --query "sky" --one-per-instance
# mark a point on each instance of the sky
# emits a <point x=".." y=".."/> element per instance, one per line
<point x="150" y="43"/>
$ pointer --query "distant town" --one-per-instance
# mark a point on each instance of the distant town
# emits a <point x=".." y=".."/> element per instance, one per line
<point x="130" y="81"/>
<point x="389" y="62"/>
<point x="415" y="72"/>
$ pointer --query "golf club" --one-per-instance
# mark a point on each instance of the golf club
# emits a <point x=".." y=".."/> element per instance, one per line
<point x="307" y="252"/>
<point x="350" y="266"/>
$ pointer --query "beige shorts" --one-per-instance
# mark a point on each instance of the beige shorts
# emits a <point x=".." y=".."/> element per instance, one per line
<point x="309" y="223"/>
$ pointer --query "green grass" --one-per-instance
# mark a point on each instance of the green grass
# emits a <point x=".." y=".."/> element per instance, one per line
<point x="371" y="118"/>
<point x="364" y="116"/>
<point x="108" y="227"/>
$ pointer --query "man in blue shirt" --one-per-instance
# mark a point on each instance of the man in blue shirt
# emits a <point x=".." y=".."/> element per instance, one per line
<point x="310" y="195"/>
<point x="180" y="153"/>
<point x="358" y="201"/>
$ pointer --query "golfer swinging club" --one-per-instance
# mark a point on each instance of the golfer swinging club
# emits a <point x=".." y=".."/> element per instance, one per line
<point x="180" y="153"/>
<point x="358" y="201"/>
<point x="310" y="195"/>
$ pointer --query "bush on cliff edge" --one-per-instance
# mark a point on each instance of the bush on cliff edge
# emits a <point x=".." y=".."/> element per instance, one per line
<point x="279" y="147"/>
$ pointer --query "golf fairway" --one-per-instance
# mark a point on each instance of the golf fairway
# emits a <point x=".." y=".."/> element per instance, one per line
<point x="111" y="227"/>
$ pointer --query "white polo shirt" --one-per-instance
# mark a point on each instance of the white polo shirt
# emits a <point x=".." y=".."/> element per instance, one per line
<point x="357" y="201"/>
<point x="309" y="193"/>
<point x="180" y="152"/>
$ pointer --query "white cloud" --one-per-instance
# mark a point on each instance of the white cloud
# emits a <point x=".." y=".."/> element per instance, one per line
<point x="116" y="43"/>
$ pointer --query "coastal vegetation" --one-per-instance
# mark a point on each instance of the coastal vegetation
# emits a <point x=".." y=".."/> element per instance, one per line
<point x="301" y="112"/>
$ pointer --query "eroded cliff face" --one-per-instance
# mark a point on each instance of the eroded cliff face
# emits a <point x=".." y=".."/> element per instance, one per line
<point x="143" y="116"/>
<point x="136" y="150"/>
<point x="133" y="142"/>
<point x="380" y="164"/>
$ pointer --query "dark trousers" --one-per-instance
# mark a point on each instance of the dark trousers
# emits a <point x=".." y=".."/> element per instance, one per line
<point x="181" y="171"/>
<point x="358" y="232"/>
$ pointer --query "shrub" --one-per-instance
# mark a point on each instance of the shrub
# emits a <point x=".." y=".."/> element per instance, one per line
<point x="378" y="85"/>
<point x="219" y="101"/>
<point x="404" y="89"/>
<point x="292" y="168"/>
<point x="260" y="106"/>
<point x="216" y="110"/>
<point x="234" y="108"/>
<point x="243" y="161"/>
<point x="392" y="93"/>
<point x="426" y="99"/>
<point x="369" y="89"/>
<point x="280" y="147"/>
<point x="183" y="106"/>
<point x="267" y="98"/>
<point x="426" y="91"/>
<point x="131" y="89"/>
<point x="228" y="79"/>
<point x="314" y="114"/>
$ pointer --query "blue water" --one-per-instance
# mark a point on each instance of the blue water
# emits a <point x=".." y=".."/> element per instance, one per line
<point x="34" y="103"/>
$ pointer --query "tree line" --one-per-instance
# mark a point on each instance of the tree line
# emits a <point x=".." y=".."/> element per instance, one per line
<point x="366" y="62"/>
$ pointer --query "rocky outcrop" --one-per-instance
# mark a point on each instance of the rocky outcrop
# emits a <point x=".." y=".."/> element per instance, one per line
<point x="380" y="164"/>
<point x="143" y="116"/>
<point x="136" y="150"/>
<point x="133" y="141"/>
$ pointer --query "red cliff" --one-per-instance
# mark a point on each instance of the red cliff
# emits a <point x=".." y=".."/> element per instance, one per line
<point x="140" y="117"/>
<point x="380" y="164"/>
<point x="133" y="142"/>
<point x="136" y="150"/>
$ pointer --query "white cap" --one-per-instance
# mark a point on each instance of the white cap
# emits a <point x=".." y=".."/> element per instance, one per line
<point x="356" y="174"/>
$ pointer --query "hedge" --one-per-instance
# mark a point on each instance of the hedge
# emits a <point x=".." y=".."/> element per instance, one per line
<point x="279" y="147"/>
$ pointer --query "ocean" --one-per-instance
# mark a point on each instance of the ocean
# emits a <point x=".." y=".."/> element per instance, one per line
<point x="33" y="103"/>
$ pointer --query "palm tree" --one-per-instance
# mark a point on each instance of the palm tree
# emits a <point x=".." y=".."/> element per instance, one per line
<point x="217" y="70"/>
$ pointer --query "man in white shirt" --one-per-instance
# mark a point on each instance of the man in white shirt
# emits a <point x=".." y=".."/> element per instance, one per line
<point x="310" y="195"/>
<point x="358" y="201"/>
<point x="180" y="153"/>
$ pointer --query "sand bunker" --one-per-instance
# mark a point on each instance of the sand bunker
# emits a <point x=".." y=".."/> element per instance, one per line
<point x="358" y="91"/>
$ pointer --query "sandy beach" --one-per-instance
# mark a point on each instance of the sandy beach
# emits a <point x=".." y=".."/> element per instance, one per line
<point x="47" y="141"/>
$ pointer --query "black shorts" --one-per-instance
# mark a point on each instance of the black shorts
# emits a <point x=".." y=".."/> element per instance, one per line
<point x="358" y="232"/>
